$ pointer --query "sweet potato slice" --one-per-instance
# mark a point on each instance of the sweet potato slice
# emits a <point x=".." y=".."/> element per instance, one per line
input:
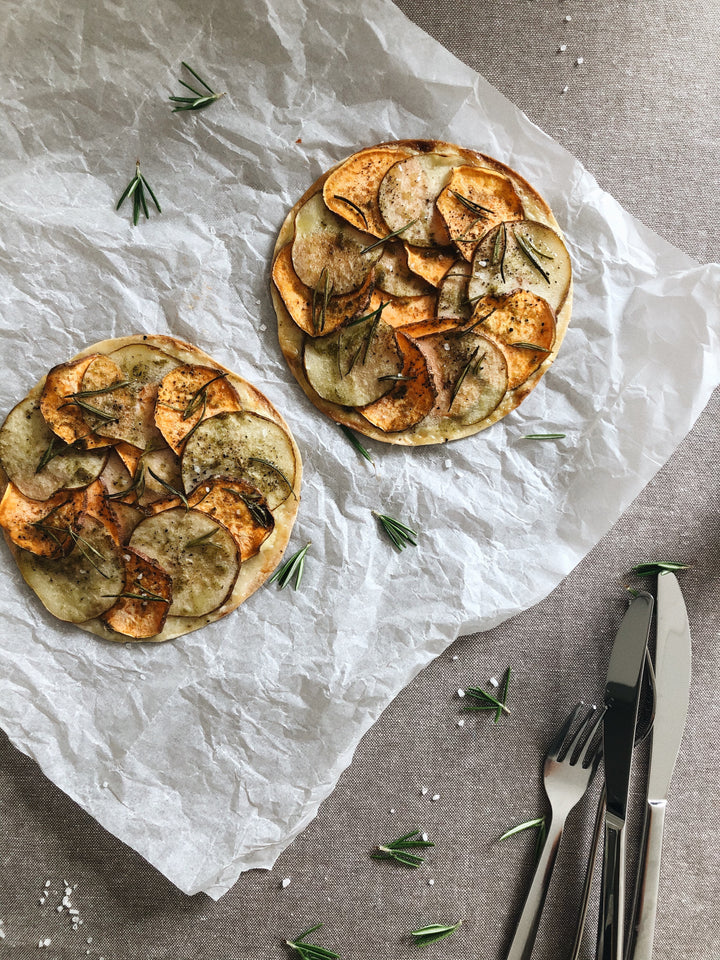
<point x="430" y="263"/>
<point x="41" y="526"/>
<point x="187" y="395"/>
<point x="37" y="461"/>
<point x="311" y="310"/>
<point x="142" y="608"/>
<point x="471" y="371"/>
<point x="351" y="191"/>
<point x="326" y="250"/>
<point x="240" y="507"/>
<point x="523" y="325"/>
<point x="394" y="276"/>
<point x="407" y="196"/>
<point x="97" y="505"/>
<point x="474" y="201"/>
<point x="525" y="255"/>
<point x="150" y="472"/>
<point x="63" y="416"/>
<point x="401" y="311"/>
<point x="412" y="397"/>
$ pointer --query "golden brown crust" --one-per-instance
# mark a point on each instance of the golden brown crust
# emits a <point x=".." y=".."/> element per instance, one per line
<point x="434" y="428"/>
<point x="258" y="568"/>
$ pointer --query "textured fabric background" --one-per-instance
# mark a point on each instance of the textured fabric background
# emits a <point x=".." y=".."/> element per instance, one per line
<point x="640" y="112"/>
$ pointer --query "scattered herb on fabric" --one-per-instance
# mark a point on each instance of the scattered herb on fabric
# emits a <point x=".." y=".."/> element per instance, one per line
<point x="659" y="567"/>
<point x="311" y="951"/>
<point x="433" y="932"/>
<point x="397" y="850"/>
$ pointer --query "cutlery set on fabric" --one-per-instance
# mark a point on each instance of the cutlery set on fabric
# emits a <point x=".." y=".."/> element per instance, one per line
<point x="574" y="756"/>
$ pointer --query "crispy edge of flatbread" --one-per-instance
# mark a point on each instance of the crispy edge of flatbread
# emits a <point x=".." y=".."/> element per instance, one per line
<point x="255" y="571"/>
<point x="429" y="430"/>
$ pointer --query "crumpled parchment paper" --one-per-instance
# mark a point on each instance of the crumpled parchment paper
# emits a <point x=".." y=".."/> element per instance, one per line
<point x="209" y="754"/>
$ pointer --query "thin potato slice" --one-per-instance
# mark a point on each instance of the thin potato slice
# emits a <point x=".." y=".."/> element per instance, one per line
<point x="402" y="311"/>
<point x="141" y="610"/>
<point x="37" y="461"/>
<point x="411" y="399"/>
<point x="123" y="388"/>
<point x="83" y="584"/>
<point x="525" y="255"/>
<point x="407" y="195"/>
<point x="351" y="191"/>
<point x="151" y="472"/>
<point x="41" y="527"/>
<point x="198" y="553"/>
<point x="523" y="325"/>
<point x="187" y="395"/>
<point x="430" y="263"/>
<point x="354" y="365"/>
<point x="310" y="309"/>
<point x="328" y="253"/>
<point x="472" y="373"/>
<point x="393" y="276"/>
<point x="64" y="417"/>
<point x="244" y="445"/>
<point x="474" y="201"/>
<point x="453" y="302"/>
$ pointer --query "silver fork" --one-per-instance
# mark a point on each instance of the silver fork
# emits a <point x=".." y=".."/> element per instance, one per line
<point x="570" y="765"/>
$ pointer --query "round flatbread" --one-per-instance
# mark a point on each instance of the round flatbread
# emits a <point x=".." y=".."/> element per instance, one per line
<point x="418" y="248"/>
<point x="146" y="542"/>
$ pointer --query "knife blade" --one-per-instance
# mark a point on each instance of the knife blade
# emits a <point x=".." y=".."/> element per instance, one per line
<point x="672" y="678"/>
<point x="622" y="695"/>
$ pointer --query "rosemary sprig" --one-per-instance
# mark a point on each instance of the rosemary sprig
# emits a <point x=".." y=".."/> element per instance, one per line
<point x="433" y="932"/>
<point x="484" y="701"/>
<point x="311" y="951"/>
<point x="525" y="345"/>
<point x="395" y="377"/>
<point x="472" y="206"/>
<point x="196" y="400"/>
<point x="397" y="850"/>
<point x="170" y="488"/>
<point x="146" y="595"/>
<point x="476" y="323"/>
<point x="352" y="437"/>
<point x="95" y="411"/>
<point x="463" y="373"/>
<point x="529" y="241"/>
<point x="96" y="393"/>
<point x="399" y="534"/>
<point x="275" y="469"/>
<point x="530" y="256"/>
<point x="652" y="569"/>
<point x="395" y="233"/>
<point x="203" y="538"/>
<point x="83" y="547"/>
<point x="365" y="342"/>
<point x="200" y="100"/>
<point x="292" y="567"/>
<point x="136" y="189"/>
<point x="137" y="484"/>
<point x="354" y="206"/>
<point x="325" y="283"/>
<point x="544" y="436"/>
<point x="55" y="448"/>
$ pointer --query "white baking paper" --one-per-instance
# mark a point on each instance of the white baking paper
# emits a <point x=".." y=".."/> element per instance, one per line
<point x="209" y="754"/>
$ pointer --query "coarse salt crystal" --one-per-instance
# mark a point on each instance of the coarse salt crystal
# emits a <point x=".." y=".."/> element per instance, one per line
<point x="2" y="934"/>
<point x="47" y="941"/>
<point x="89" y="940"/>
<point x="285" y="882"/>
<point x="579" y="61"/>
<point x="435" y="796"/>
<point x="564" y="89"/>
<point x="59" y="909"/>
<point x="460" y="722"/>
<point x="40" y="943"/>
<point x="263" y="327"/>
<point x="104" y="784"/>
<point x="447" y="464"/>
<point x="562" y="48"/>
<point x="455" y="656"/>
<point x="47" y="884"/>
<point x="446" y="346"/>
<point x="568" y="18"/>
<point x="392" y="809"/>
<point x="68" y="891"/>
<point x="423" y="791"/>
<point x="494" y="682"/>
<point x="461" y="692"/>
<point x="431" y="882"/>
<point x="425" y="837"/>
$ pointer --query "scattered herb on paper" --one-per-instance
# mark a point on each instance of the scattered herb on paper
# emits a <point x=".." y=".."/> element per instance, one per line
<point x="397" y="850"/>
<point x="199" y="100"/>
<point x="136" y="189"/>
<point x="311" y="951"/>
<point x="544" y="436"/>
<point x="433" y="932"/>
<point x="293" y="567"/>
<point x="651" y="569"/>
<point x="399" y="534"/>
<point x="352" y="437"/>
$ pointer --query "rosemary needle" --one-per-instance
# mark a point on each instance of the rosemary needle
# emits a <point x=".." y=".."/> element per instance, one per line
<point x="311" y="951"/>
<point x="356" y="443"/>
<point x="199" y="100"/>
<point x="537" y="824"/>
<point x="399" y="534"/>
<point x="544" y="436"/>
<point x="483" y="701"/>
<point x="395" y="233"/>
<point x="292" y="567"/>
<point x="397" y="850"/>
<point x="136" y="189"/>
<point x="433" y="932"/>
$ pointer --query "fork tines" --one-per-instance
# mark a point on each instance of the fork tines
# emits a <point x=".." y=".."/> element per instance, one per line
<point x="583" y="745"/>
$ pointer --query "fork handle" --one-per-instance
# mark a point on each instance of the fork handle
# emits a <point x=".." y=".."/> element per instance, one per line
<point x="642" y="928"/>
<point x="612" y="898"/>
<point x="585" y="899"/>
<point x="527" y="926"/>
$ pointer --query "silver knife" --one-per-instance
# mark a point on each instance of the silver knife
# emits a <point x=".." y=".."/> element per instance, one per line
<point x="622" y="695"/>
<point x="672" y="672"/>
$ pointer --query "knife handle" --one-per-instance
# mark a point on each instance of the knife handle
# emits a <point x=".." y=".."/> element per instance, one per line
<point x="612" y="897"/>
<point x="647" y="883"/>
